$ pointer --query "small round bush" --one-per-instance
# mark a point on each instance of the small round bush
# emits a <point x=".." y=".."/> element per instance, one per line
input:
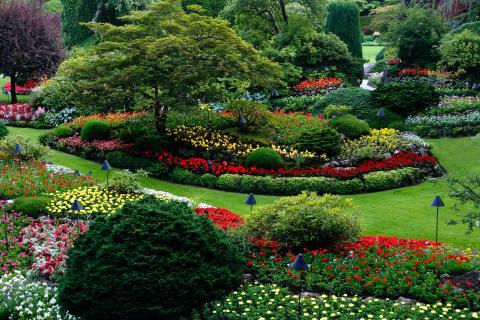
<point x="150" y="260"/>
<point x="3" y="131"/>
<point x="62" y="131"/>
<point x="307" y="220"/>
<point x="350" y="126"/>
<point x="95" y="130"/>
<point x="320" y="140"/>
<point x="265" y="158"/>
<point x="31" y="206"/>
<point x="389" y="120"/>
<point x="357" y="98"/>
<point x="405" y="98"/>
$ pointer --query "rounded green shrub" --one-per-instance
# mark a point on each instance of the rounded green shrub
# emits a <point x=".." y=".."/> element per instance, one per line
<point x="307" y="220"/>
<point x="62" y="131"/>
<point x="321" y="140"/>
<point x="350" y="126"/>
<point x="265" y="158"/>
<point x="95" y="130"/>
<point x="357" y="98"/>
<point x="405" y="98"/>
<point x="150" y="260"/>
<point x="389" y="120"/>
<point x="31" y="206"/>
<point x="3" y="131"/>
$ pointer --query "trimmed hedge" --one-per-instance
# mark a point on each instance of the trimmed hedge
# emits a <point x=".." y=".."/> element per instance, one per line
<point x="374" y="181"/>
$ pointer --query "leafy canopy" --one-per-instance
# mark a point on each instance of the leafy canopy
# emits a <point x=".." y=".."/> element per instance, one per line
<point x="166" y="58"/>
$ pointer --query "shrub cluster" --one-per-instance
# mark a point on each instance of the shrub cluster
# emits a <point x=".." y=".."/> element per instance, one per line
<point x="96" y="130"/>
<point x="350" y="126"/>
<point x="357" y="98"/>
<point x="265" y="158"/>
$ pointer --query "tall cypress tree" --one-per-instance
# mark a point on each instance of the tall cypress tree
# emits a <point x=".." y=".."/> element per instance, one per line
<point x="344" y="21"/>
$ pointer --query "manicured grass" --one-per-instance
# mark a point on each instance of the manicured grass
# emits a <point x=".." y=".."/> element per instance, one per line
<point x="370" y="52"/>
<point x="5" y="99"/>
<point x="404" y="212"/>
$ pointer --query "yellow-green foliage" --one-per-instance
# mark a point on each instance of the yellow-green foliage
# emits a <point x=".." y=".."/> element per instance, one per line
<point x="462" y="53"/>
<point x="306" y="220"/>
<point x="374" y="145"/>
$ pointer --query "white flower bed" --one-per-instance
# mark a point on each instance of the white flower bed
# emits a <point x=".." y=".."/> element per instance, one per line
<point x="58" y="169"/>
<point x="445" y="121"/>
<point x="25" y="299"/>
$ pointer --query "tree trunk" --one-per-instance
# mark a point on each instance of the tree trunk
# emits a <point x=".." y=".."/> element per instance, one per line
<point x="283" y="10"/>
<point x="13" y="87"/>
<point x="160" y="114"/>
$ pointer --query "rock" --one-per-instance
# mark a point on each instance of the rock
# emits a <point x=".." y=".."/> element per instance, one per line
<point x="445" y="276"/>
<point x="387" y="156"/>
<point x="247" y="278"/>
<point x="423" y="151"/>
<point x="406" y="301"/>
<point x="310" y="295"/>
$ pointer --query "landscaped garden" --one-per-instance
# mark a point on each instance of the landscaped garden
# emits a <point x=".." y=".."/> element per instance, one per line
<point x="239" y="159"/>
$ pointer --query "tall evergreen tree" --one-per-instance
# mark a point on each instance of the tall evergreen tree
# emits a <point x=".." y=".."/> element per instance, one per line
<point x="344" y="21"/>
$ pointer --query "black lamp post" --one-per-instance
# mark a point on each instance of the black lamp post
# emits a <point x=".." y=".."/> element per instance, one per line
<point x="437" y="202"/>
<point x="300" y="265"/>
<point x="242" y="121"/>
<point x="77" y="207"/>
<point x="251" y="201"/>
<point x="18" y="150"/>
<point x="106" y="167"/>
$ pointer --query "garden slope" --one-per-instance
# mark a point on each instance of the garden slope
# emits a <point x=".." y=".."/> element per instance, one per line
<point x="404" y="212"/>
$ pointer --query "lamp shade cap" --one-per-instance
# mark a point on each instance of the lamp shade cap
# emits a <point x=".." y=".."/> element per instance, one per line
<point x="19" y="148"/>
<point x="437" y="202"/>
<point x="106" y="165"/>
<point x="76" y="206"/>
<point x="299" y="263"/>
<point x="251" y="200"/>
<point x="381" y="113"/>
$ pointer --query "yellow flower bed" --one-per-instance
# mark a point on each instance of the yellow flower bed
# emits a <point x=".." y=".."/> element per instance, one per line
<point x="93" y="199"/>
<point x="212" y="140"/>
<point x="376" y="144"/>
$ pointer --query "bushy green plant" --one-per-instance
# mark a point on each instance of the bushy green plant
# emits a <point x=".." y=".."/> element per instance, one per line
<point x="95" y="130"/>
<point x="334" y="110"/>
<point x="343" y="20"/>
<point x="357" y="98"/>
<point x="256" y="114"/>
<point x="62" y="131"/>
<point x="295" y="103"/>
<point x="417" y="36"/>
<point x="123" y="160"/>
<point x="306" y="220"/>
<point x="320" y="140"/>
<point x="265" y="158"/>
<point x="125" y="181"/>
<point x="384" y="180"/>
<point x="405" y="98"/>
<point x="31" y="206"/>
<point x="32" y="150"/>
<point x="350" y="126"/>
<point x="461" y="53"/>
<point x="3" y="131"/>
<point x="389" y="120"/>
<point x="151" y="260"/>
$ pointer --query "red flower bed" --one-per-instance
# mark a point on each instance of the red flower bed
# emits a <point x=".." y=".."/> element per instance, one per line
<point x="415" y="72"/>
<point x="223" y="218"/>
<point x="25" y="89"/>
<point x="75" y="144"/>
<point x="200" y="166"/>
<point x="394" y="61"/>
<point x="315" y="86"/>
<point x="17" y="112"/>
<point x="377" y="266"/>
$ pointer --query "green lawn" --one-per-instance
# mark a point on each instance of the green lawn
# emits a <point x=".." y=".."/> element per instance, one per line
<point x="5" y="99"/>
<point x="404" y="212"/>
<point x="370" y="52"/>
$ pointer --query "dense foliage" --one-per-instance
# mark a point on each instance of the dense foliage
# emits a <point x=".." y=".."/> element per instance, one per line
<point x="307" y="220"/>
<point x="265" y="158"/>
<point x="152" y="260"/>
<point x="461" y="53"/>
<point x="31" y="42"/>
<point x="343" y="20"/>
<point x="357" y="98"/>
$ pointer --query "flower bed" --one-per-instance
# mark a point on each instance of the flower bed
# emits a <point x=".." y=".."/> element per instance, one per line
<point x="25" y="89"/>
<point x="32" y="178"/>
<point x="447" y="124"/>
<point x="317" y="86"/>
<point x="455" y="104"/>
<point x="201" y="166"/>
<point x="112" y="118"/>
<point x="47" y="244"/>
<point x="374" y="266"/>
<point x="75" y="144"/>
<point x="273" y="302"/>
<point x="19" y="112"/>
<point x="222" y="218"/>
